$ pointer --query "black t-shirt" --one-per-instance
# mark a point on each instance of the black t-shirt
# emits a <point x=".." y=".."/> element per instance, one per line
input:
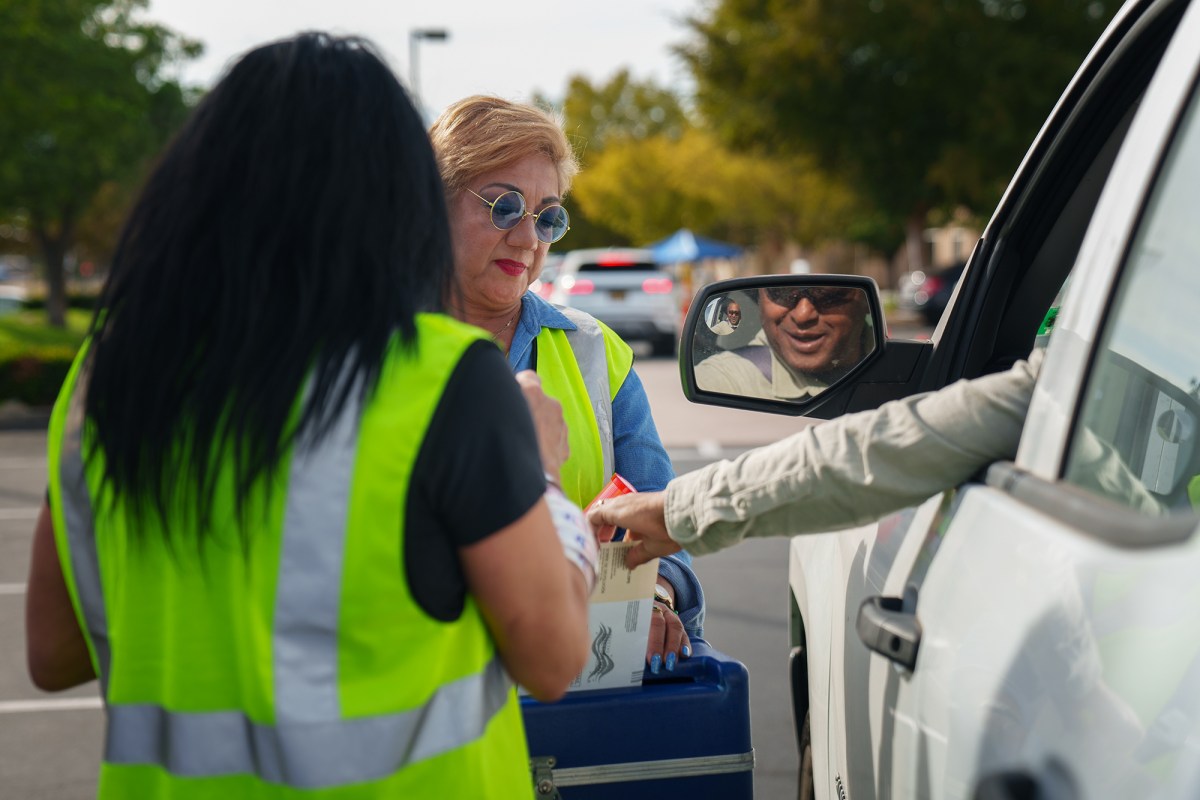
<point x="478" y="471"/>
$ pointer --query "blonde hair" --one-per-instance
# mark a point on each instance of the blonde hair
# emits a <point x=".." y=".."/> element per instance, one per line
<point x="482" y="133"/>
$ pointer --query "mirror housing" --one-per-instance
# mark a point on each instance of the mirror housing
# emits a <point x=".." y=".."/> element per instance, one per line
<point x="811" y="345"/>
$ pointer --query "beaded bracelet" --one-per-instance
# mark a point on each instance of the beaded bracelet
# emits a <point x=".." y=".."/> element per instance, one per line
<point x="578" y="541"/>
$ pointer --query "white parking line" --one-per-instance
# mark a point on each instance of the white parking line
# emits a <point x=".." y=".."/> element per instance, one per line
<point x="23" y="463"/>
<point x="19" y="514"/>
<point x="63" y="704"/>
<point x="12" y="588"/>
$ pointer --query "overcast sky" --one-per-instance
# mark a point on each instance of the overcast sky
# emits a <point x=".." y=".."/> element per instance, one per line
<point x="511" y="49"/>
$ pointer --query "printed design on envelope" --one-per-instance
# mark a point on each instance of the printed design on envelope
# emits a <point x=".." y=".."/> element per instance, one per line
<point x="600" y="646"/>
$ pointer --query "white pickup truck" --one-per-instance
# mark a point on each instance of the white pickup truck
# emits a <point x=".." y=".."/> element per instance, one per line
<point x="1024" y="634"/>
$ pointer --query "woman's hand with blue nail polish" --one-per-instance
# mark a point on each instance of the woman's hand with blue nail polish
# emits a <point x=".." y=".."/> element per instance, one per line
<point x="667" y="643"/>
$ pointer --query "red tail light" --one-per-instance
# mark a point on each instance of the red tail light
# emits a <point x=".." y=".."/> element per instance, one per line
<point x="578" y="285"/>
<point x="657" y="285"/>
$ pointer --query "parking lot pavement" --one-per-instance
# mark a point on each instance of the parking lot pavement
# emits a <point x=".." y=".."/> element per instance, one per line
<point x="16" y="416"/>
<point x="49" y="743"/>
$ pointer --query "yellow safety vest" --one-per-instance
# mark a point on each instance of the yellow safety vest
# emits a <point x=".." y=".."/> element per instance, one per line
<point x="303" y="667"/>
<point x="584" y="369"/>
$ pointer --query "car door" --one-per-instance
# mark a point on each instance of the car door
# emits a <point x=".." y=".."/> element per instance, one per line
<point x="1060" y="619"/>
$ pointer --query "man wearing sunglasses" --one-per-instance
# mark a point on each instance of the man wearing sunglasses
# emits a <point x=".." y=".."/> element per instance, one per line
<point x="810" y="337"/>
<point x="729" y="319"/>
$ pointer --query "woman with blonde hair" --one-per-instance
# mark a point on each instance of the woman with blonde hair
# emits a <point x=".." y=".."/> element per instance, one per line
<point x="506" y="168"/>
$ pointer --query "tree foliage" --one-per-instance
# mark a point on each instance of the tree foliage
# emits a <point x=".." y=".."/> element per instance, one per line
<point x="917" y="104"/>
<point x="617" y="112"/>
<point x="647" y="189"/>
<point x="85" y="100"/>
<point x="649" y="170"/>
<point x="620" y="110"/>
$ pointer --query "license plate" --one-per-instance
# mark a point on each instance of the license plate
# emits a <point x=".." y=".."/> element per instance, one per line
<point x="617" y="294"/>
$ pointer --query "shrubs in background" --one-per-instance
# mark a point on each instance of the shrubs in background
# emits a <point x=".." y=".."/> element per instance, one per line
<point x="35" y="358"/>
<point x="34" y="377"/>
<point x="85" y="302"/>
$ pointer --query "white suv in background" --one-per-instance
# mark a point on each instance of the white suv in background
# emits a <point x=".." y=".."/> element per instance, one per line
<point x="626" y="290"/>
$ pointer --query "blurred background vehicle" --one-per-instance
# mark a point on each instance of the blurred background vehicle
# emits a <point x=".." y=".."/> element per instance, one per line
<point x="545" y="282"/>
<point x="625" y="289"/>
<point x="12" y="298"/>
<point x="906" y="290"/>
<point x="932" y="294"/>
<point x="12" y="292"/>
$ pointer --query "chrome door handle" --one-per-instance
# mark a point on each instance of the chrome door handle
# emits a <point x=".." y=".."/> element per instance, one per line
<point x="886" y="628"/>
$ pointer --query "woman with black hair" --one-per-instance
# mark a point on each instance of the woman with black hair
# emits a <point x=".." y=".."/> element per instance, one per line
<point x="253" y="537"/>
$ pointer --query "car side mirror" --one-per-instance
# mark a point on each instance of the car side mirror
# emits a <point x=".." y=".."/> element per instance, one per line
<point x="779" y="342"/>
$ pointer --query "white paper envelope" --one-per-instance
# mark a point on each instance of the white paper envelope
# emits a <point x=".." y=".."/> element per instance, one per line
<point x="619" y="621"/>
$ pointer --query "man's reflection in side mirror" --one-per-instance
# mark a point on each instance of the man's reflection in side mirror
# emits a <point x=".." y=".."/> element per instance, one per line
<point x="723" y="315"/>
<point x="810" y="337"/>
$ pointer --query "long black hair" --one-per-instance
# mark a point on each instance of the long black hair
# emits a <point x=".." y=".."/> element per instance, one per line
<point x="293" y="227"/>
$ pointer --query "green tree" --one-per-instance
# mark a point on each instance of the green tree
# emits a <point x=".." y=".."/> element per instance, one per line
<point x="617" y="112"/>
<point x="620" y="110"/>
<point x="85" y="100"/>
<point x="99" y="224"/>
<point x="646" y="189"/>
<point x="916" y="104"/>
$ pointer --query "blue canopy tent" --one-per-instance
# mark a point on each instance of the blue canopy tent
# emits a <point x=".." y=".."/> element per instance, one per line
<point x="683" y="245"/>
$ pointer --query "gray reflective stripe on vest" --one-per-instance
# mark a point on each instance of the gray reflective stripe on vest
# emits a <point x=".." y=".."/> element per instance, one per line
<point x="304" y="639"/>
<point x="587" y="343"/>
<point x="81" y="535"/>
<point x="310" y="746"/>
<point x="306" y="755"/>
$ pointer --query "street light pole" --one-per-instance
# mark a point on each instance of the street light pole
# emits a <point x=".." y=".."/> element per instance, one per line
<point x="415" y="35"/>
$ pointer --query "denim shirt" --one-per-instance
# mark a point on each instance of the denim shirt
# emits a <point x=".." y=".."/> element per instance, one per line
<point x="638" y="452"/>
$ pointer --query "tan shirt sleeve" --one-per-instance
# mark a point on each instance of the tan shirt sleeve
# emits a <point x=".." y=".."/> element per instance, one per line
<point x="856" y="468"/>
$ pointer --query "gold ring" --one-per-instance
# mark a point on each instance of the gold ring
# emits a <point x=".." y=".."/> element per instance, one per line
<point x="659" y="610"/>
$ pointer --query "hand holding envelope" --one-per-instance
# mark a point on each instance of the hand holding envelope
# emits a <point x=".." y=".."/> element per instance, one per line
<point x="642" y="514"/>
<point x="619" y="611"/>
